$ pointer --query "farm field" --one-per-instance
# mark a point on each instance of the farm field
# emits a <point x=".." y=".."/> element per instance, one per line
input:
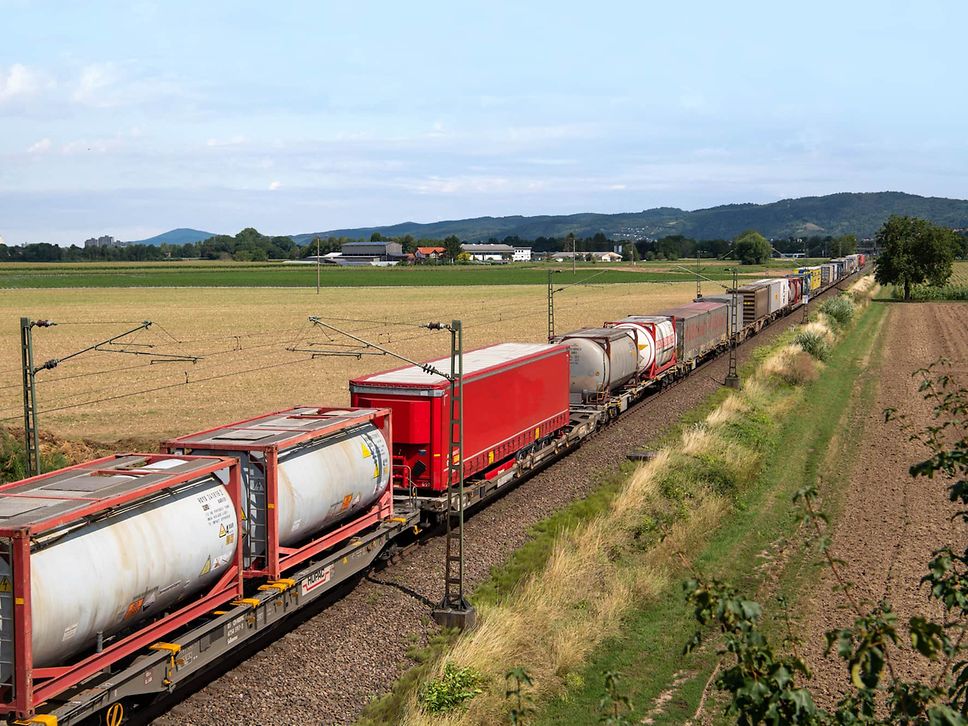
<point x="242" y="336"/>
<point x="195" y="273"/>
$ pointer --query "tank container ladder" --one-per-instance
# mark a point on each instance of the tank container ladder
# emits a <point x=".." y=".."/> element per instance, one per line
<point x="256" y="530"/>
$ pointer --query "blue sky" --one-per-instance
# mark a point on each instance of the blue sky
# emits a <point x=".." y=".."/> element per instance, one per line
<point x="130" y="118"/>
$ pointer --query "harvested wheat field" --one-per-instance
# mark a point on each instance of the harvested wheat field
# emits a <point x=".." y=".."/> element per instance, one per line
<point x="255" y="346"/>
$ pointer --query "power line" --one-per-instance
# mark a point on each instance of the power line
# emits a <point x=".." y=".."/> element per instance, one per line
<point x="165" y="387"/>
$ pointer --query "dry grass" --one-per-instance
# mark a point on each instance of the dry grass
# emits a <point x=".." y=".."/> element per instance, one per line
<point x="267" y="321"/>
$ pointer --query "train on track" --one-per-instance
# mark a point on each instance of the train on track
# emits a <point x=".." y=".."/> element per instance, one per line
<point x="123" y="578"/>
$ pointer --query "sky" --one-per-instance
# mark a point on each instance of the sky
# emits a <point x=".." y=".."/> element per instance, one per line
<point x="131" y="118"/>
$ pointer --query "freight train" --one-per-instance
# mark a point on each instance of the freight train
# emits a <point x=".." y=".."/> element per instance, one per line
<point x="123" y="578"/>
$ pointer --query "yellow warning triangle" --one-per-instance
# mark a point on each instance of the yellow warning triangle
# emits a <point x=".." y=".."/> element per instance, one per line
<point x="5" y="585"/>
<point x="206" y="568"/>
<point x="366" y="451"/>
<point x="221" y="530"/>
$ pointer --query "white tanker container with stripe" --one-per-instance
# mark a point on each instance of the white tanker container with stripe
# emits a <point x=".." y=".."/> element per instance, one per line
<point x="655" y="339"/>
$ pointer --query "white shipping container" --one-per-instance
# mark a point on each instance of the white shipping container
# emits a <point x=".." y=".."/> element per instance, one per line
<point x="779" y="293"/>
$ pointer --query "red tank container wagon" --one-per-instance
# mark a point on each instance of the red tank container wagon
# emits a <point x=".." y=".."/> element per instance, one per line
<point x="104" y="559"/>
<point x="701" y="327"/>
<point x="515" y="394"/>
<point x="312" y="478"/>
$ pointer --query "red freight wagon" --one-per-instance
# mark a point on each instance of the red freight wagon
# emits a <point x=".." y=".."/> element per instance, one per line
<point x="700" y="327"/>
<point x="312" y="478"/>
<point x="514" y="394"/>
<point x="101" y="560"/>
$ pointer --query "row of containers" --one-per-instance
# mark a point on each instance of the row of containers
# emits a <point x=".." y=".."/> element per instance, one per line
<point x="103" y="559"/>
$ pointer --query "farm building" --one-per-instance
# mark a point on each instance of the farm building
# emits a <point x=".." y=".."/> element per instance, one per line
<point x="489" y="252"/>
<point x="521" y="254"/>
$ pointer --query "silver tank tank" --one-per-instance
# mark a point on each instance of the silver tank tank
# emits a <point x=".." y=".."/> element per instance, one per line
<point x="602" y="360"/>
<point x="108" y="576"/>
<point x="327" y="482"/>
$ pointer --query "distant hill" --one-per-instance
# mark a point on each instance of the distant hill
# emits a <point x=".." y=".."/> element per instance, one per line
<point x="835" y="214"/>
<point x="179" y="236"/>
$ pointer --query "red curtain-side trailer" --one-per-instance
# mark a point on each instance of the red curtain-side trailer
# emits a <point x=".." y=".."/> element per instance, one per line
<point x="514" y="394"/>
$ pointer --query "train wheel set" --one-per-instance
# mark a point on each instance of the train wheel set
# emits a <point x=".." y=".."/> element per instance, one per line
<point x="123" y="578"/>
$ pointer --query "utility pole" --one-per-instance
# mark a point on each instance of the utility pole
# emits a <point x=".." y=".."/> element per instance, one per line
<point x="551" y="307"/>
<point x="698" y="278"/>
<point x="317" y="264"/>
<point x="454" y="611"/>
<point x="31" y="440"/>
<point x="732" y="376"/>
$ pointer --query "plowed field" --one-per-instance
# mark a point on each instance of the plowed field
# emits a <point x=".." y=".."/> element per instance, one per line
<point x="891" y="523"/>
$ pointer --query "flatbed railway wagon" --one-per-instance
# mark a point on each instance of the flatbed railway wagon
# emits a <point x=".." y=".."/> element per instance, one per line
<point x="515" y="403"/>
<point x="311" y="478"/>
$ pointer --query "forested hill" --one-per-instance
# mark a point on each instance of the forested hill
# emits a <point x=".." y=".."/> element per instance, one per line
<point x="834" y="214"/>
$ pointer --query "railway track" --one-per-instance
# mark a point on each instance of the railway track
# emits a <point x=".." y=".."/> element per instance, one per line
<point x="325" y="665"/>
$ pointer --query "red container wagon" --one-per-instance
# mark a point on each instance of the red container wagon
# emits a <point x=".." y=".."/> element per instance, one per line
<point x="700" y="328"/>
<point x="104" y="559"/>
<point x="312" y="478"/>
<point x="514" y="394"/>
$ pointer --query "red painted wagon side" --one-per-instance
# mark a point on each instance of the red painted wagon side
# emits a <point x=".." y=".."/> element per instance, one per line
<point x="514" y="394"/>
<point x="262" y="445"/>
<point x="39" y="513"/>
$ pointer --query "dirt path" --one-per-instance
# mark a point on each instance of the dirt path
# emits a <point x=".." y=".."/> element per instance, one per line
<point x="890" y="523"/>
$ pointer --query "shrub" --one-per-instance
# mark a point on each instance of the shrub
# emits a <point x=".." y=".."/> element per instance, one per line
<point x="840" y="309"/>
<point x="813" y="343"/>
<point x="456" y="686"/>
<point x="800" y="369"/>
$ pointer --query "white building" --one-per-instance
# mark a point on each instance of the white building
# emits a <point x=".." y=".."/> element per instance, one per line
<point x="489" y="253"/>
<point x="521" y="254"/>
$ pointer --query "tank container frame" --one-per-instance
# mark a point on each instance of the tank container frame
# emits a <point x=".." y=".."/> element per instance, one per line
<point x="30" y="686"/>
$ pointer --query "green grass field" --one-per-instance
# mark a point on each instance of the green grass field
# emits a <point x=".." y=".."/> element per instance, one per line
<point x="275" y="274"/>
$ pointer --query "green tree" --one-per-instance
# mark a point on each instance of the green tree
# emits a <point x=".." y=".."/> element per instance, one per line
<point x="452" y="247"/>
<point x="376" y="237"/>
<point x="843" y="245"/>
<point x="752" y="248"/>
<point x="913" y="251"/>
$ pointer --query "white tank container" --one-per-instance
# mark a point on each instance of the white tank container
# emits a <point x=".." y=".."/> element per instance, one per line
<point x="108" y="576"/>
<point x="601" y="360"/>
<point x="654" y="336"/>
<point x="329" y="481"/>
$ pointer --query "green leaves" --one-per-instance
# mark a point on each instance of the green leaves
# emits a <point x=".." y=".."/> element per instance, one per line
<point x="914" y="251"/>
<point x="454" y="688"/>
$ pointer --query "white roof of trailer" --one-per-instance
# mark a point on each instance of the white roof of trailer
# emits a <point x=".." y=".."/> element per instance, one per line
<point x="474" y="361"/>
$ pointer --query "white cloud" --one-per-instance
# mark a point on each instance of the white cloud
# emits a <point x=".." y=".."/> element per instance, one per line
<point x="112" y="85"/>
<point x="20" y="82"/>
<point x="40" y="147"/>
<point x="236" y="140"/>
<point x="275" y="184"/>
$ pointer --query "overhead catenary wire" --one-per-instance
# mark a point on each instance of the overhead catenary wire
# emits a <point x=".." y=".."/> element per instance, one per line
<point x="164" y="387"/>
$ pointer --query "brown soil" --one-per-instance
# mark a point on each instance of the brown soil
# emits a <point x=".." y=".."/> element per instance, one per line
<point x="890" y="523"/>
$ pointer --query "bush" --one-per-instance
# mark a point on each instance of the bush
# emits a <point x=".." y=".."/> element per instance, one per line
<point x="814" y="343"/>
<point x="840" y="309"/>
<point x="455" y="687"/>
<point x="800" y="369"/>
